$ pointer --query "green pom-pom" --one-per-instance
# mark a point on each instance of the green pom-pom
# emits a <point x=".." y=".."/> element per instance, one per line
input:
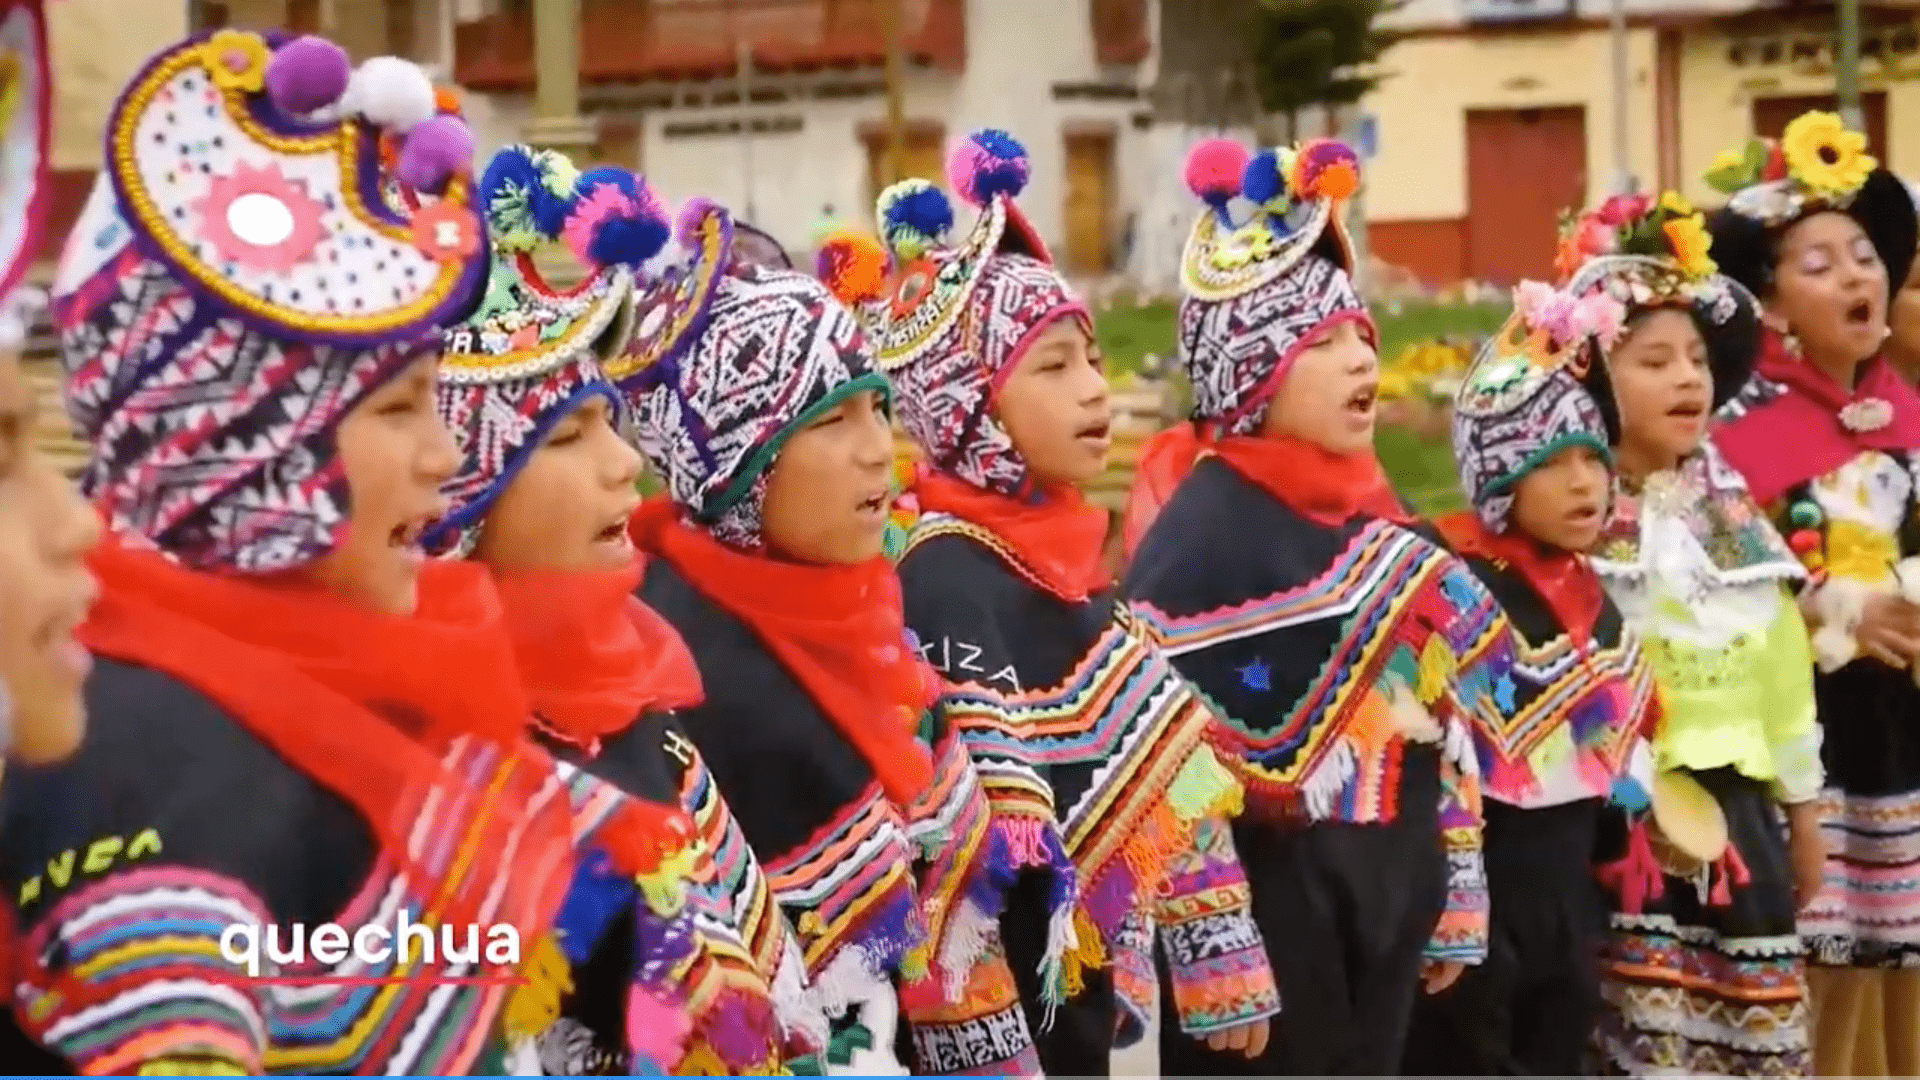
<point x="1806" y="515"/>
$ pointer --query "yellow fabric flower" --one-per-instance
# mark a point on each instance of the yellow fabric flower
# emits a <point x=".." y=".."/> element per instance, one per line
<point x="1673" y="202"/>
<point x="1691" y="242"/>
<point x="1823" y="156"/>
<point x="237" y="60"/>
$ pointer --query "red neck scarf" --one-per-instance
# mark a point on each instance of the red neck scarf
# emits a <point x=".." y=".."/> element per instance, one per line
<point x="1058" y="539"/>
<point x="593" y="657"/>
<point x="1327" y="487"/>
<point x="840" y="631"/>
<point x="1799" y="435"/>
<point x="363" y="703"/>
<point x="1564" y="580"/>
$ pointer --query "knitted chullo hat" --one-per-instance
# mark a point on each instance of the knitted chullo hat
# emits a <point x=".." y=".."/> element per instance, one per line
<point x="1256" y="293"/>
<point x="950" y="321"/>
<point x="1521" y="401"/>
<point x="26" y="111"/>
<point x="1816" y="166"/>
<point x="532" y="353"/>
<point x="237" y="283"/>
<point x="732" y="352"/>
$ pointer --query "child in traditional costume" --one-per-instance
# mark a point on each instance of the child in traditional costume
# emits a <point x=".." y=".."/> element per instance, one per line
<point x="1827" y="435"/>
<point x="1343" y="651"/>
<point x="1078" y="726"/>
<point x="294" y="722"/>
<point x="542" y="498"/>
<point x="754" y="397"/>
<point x="46" y="529"/>
<point x="1903" y="318"/>
<point x="1702" y="968"/>
<point x="1577" y="709"/>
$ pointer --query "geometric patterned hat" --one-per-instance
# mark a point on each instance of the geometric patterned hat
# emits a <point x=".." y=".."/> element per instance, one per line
<point x="240" y="279"/>
<point x="1521" y="401"/>
<point x="952" y="320"/>
<point x="26" y="109"/>
<point x="732" y="351"/>
<point x="1817" y="165"/>
<point x="1255" y="293"/>
<point x="532" y="353"/>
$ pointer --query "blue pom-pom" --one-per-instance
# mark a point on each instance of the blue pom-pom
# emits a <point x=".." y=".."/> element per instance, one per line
<point x="1627" y="794"/>
<point x="617" y="219"/>
<point x="987" y="163"/>
<point x="527" y="195"/>
<point x="1262" y="181"/>
<point x="913" y="215"/>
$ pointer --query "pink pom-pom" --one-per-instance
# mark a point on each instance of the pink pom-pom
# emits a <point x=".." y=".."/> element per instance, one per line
<point x="1213" y="169"/>
<point x="434" y="151"/>
<point x="605" y="201"/>
<point x="987" y="163"/>
<point x="656" y="1032"/>
<point x="307" y="74"/>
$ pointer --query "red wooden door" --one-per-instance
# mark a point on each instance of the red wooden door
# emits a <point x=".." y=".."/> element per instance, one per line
<point x="1771" y="115"/>
<point x="1524" y="168"/>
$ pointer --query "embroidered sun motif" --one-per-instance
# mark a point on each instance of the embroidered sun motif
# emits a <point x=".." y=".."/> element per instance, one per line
<point x="260" y="219"/>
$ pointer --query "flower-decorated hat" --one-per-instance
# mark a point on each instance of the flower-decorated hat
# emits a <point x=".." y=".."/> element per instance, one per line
<point x="1817" y="166"/>
<point x="1256" y="292"/>
<point x="732" y="351"/>
<point x="532" y="353"/>
<point x="953" y="319"/>
<point x="1521" y="401"/>
<point x="1642" y="251"/>
<point x="26" y="109"/>
<point x="238" y="281"/>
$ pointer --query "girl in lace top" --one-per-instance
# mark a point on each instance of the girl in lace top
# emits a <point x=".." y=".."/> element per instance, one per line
<point x="1703" y="966"/>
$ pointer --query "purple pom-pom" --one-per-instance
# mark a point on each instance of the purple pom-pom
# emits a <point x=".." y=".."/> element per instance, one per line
<point x="985" y="164"/>
<point x="307" y="74"/>
<point x="689" y="218"/>
<point x="1213" y="170"/>
<point x="436" y="150"/>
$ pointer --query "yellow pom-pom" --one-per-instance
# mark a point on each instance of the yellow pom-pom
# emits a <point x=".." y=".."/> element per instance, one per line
<point x="853" y="265"/>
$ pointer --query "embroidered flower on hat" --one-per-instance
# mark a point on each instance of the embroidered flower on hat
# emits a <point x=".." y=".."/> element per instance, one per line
<point x="237" y="59"/>
<point x="257" y="218"/>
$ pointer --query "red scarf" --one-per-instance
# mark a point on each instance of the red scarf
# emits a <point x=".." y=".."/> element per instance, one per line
<point x="840" y="631"/>
<point x="363" y="703"/>
<point x="1561" y="578"/>
<point x="1327" y="487"/>
<point x="1058" y="538"/>
<point x="1798" y="436"/>
<point x="592" y="656"/>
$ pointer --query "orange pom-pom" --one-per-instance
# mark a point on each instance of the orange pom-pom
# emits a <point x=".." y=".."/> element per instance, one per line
<point x="1337" y="181"/>
<point x="853" y="265"/>
<point x="446" y="100"/>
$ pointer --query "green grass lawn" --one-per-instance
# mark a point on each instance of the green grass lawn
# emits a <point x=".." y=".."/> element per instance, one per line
<point x="1421" y="468"/>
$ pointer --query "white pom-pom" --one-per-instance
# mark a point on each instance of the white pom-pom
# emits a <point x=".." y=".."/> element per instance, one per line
<point x="392" y="93"/>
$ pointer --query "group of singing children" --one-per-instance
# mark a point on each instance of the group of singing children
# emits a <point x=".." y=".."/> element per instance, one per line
<point x="785" y="770"/>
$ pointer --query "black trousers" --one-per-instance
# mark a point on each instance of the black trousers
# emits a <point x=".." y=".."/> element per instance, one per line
<point x="1079" y="1042"/>
<point x="1346" y="912"/>
<point x="1530" y="1008"/>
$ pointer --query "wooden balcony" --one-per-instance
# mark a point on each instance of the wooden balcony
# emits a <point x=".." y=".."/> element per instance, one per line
<point x="635" y="41"/>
